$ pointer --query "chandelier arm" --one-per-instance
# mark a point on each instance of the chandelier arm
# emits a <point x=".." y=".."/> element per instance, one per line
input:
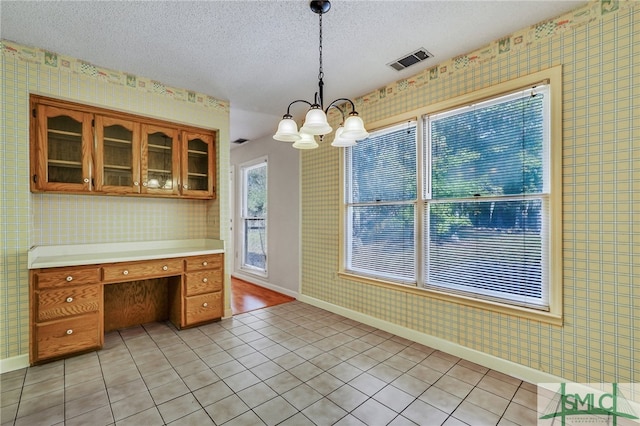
<point x="332" y="104"/>
<point x="288" y="114"/>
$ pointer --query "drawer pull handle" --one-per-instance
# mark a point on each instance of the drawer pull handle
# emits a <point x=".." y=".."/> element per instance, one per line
<point x="69" y="299"/>
<point x="205" y="280"/>
<point x="204" y="263"/>
<point x="69" y="331"/>
<point x="125" y="272"/>
<point x="69" y="278"/>
<point x="165" y="267"/>
<point x="205" y="304"/>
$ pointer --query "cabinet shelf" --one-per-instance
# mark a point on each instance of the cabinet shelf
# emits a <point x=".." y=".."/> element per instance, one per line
<point x="118" y="168"/>
<point x="160" y="171"/>
<point x="159" y="147"/>
<point x="65" y="133"/>
<point x="65" y="163"/>
<point x="197" y="175"/>
<point x="116" y="142"/>
<point x="193" y="151"/>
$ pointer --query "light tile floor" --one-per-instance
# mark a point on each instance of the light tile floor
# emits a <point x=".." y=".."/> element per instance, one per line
<point x="291" y="364"/>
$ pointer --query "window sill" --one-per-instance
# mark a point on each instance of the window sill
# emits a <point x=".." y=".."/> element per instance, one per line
<point x="487" y="305"/>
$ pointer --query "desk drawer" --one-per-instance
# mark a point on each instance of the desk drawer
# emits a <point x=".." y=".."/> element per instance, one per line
<point x="129" y="271"/>
<point x="202" y="308"/>
<point x="62" y="277"/>
<point x="63" y="302"/>
<point x="207" y="261"/>
<point x="203" y="282"/>
<point x="68" y="336"/>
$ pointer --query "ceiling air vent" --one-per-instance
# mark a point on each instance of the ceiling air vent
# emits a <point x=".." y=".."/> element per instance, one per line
<point x="240" y="140"/>
<point x="410" y="59"/>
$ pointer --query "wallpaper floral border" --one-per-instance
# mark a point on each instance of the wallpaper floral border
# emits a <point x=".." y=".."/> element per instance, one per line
<point x="517" y="41"/>
<point x="78" y="66"/>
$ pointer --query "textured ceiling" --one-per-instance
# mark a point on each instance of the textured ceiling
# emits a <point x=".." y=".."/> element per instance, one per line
<point x="261" y="55"/>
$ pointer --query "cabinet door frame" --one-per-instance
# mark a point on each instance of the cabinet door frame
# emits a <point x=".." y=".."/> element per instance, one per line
<point x="210" y="140"/>
<point x="102" y="121"/>
<point x="40" y="150"/>
<point x="146" y="130"/>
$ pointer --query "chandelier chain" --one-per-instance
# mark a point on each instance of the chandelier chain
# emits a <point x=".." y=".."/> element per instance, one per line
<point x="320" y="71"/>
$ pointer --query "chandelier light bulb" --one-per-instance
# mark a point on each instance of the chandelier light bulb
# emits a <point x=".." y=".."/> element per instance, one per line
<point x="315" y="123"/>
<point x="306" y="141"/>
<point x="354" y="128"/>
<point x="339" y="141"/>
<point x="287" y="130"/>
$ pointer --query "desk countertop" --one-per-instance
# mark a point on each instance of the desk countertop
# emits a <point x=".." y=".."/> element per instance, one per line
<point x="91" y="254"/>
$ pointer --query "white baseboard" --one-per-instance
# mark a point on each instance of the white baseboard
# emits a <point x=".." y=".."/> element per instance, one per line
<point x="14" y="363"/>
<point x="257" y="281"/>
<point x="511" y="368"/>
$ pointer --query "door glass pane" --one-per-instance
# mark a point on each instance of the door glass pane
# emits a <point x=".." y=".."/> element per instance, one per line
<point x="64" y="150"/>
<point x="160" y="157"/>
<point x="118" y="154"/>
<point x="198" y="165"/>
<point x="255" y="253"/>
<point x="254" y="217"/>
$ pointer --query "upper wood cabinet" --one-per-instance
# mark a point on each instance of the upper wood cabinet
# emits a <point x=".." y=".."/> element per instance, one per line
<point x="198" y="158"/>
<point x="61" y="149"/>
<point x="83" y="149"/>
<point x="160" y="160"/>
<point x="117" y="157"/>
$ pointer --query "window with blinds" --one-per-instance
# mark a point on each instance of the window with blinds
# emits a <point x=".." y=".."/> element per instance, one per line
<point x="487" y="204"/>
<point x="464" y="208"/>
<point x="381" y="195"/>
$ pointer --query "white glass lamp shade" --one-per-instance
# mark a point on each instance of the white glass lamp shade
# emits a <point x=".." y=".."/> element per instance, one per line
<point x="315" y="123"/>
<point x="306" y="141"/>
<point x="287" y="131"/>
<point x="339" y="141"/>
<point x="354" y="128"/>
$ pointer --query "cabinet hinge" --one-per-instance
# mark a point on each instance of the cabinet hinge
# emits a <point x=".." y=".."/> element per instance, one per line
<point x="35" y="178"/>
<point x="33" y="112"/>
<point x="93" y="123"/>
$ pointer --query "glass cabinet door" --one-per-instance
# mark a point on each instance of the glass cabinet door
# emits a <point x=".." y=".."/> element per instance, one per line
<point x="63" y="150"/>
<point x="160" y="160"/>
<point x="198" y="164"/>
<point x="117" y="155"/>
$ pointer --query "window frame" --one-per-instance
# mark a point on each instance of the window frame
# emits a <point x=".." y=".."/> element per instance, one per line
<point x="554" y="315"/>
<point x="244" y="168"/>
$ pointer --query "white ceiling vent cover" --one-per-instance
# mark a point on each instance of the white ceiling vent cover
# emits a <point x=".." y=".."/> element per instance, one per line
<point x="410" y="59"/>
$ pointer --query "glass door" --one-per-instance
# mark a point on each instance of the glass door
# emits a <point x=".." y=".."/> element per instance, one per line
<point x="160" y="160"/>
<point x="198" y="164"/>
<point x="117" y="155"/>
<point x="254" y="217"/>
<point x="63" y="157"/>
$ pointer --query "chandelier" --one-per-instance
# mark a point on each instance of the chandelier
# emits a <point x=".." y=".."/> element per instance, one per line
<point x="315" y="122"/>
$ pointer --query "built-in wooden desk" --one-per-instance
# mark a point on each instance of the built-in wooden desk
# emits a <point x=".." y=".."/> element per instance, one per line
<point x="77" y="292"/>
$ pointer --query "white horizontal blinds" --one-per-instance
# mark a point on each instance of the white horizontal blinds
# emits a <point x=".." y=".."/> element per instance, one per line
<point x="383" y="241"/>
<point x="383" y="166"/>
<point x="381" y="191"/>
<point x="488" y="215"/>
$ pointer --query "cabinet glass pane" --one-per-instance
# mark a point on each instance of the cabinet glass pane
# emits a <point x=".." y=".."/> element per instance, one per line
<point x="198" y="165"/>
<point x="160" y="157"/>
<point x="118" y="153"/>
<point x="64" y="149"/>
